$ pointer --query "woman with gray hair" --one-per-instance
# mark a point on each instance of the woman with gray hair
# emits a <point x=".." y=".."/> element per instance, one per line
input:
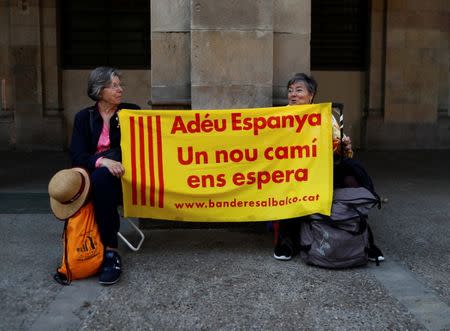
<point x="301" y="90"/>
<point x="95" y="146"/>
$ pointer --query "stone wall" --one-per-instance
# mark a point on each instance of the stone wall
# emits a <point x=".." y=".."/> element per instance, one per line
<point x="377" y="57"/>
<point x="229" y="53"/>
<point x="409" y="84"/>
<point x="224" y="54"/>
<point x="347" y="88"/>
<point x="205" y="54"/>
<point x="7" y="136"/>
<point x="171" y="54"/>
<point x="31" y="73"/>
<point x="291" y="43"/>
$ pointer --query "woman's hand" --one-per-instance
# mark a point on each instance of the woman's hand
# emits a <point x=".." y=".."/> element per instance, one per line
<point x="347" y="143"/>
<point x="115" y="168"/>
<point x="347" y="146"/>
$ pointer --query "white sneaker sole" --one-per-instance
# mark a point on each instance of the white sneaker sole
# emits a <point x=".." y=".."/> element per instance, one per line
<point x="108" y="283"/>
<point x="380" y="259"/>
<point x="282" y="257"/>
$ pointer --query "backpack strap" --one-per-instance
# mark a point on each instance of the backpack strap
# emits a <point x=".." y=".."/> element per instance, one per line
<point x="58" y="276"/>
<point x="370" y="235"/>
<point x="363" y="218"/>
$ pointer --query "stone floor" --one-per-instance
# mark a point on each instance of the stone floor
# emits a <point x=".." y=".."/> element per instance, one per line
<point x="225" y="278"/>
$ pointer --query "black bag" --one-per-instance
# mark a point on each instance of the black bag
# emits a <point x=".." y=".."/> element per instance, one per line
<point x="343" y="239"/>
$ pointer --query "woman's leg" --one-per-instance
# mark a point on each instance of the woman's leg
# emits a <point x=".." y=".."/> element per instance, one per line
<point x="106" y="196"/>
<point x="289" y="239"/>
<point x="290" y="231"/>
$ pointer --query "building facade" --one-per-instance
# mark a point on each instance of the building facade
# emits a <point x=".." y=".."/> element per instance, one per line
<point x="206" y="54"/>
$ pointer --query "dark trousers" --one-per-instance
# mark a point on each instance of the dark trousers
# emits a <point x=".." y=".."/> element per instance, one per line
<point x="351" y="173"/>
<point x="289" y="232"/>
<point x="106" y="196"/>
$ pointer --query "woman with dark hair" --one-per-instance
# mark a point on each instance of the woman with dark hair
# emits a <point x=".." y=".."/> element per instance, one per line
<point x="347" y="173"/>
<point x="95" y="146"/>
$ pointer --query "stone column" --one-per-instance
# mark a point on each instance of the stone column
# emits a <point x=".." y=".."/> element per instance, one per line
<point x="53" y="122"/>
<point x="444" y="61"/>
<point x="25" y="55"/>
<point x="51" y="76"/>
<point x="409" y="97"/>
<point x="231" y="53"/>
<point x="413" y="48"/>
<point x="6" y="114"/>
<point x="377" y="72"/>
<point x="291" y="44"/>
<point x="171" y="56"/>
<point x="33" y="67"/>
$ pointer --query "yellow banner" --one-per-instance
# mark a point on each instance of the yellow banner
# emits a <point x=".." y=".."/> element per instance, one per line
<point x="227" y="165"/>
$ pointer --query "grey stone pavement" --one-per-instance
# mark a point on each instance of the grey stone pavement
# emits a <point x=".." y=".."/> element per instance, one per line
<point x="224" y="278"/>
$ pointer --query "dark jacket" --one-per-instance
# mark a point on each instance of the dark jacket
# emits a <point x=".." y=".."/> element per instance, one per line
<point x="87" y="127"/>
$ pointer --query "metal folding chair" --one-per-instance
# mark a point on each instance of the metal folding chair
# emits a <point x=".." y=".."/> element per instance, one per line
<point x="136" y="229"/>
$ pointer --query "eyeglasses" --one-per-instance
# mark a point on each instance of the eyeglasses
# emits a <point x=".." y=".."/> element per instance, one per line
<point x="298" y="90"/>
<point x="115" y="86"/>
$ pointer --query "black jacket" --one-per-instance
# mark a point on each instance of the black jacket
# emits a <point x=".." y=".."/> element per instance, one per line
<point x="87" y="127"/>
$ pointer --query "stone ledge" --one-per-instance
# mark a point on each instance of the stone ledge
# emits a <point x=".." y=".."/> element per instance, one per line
<point x="6" y="116"/>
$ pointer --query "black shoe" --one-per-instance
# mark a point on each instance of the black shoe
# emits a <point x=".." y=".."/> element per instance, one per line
<point x="283" y="252"/>
<point x="375" y="254"/>
<point x="111" y="268"/>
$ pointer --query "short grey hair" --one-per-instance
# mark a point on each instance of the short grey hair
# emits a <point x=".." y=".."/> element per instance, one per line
<point x="309" y="82"/>
<point x="99" y="78"/>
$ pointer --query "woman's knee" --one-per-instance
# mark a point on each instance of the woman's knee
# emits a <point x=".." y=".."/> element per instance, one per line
<point x="103" y="181"/>
<point x="100" y="175"/>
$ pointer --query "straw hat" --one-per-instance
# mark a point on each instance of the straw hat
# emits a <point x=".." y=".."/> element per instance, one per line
<point x="68" y="190"/>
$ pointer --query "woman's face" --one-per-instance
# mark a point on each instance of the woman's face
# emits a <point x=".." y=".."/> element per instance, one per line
<point x="298" y="94"/>
<point x="112" y="94"/>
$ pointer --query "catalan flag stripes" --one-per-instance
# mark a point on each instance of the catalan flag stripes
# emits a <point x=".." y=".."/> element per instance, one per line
<point x="147" y="178"/>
